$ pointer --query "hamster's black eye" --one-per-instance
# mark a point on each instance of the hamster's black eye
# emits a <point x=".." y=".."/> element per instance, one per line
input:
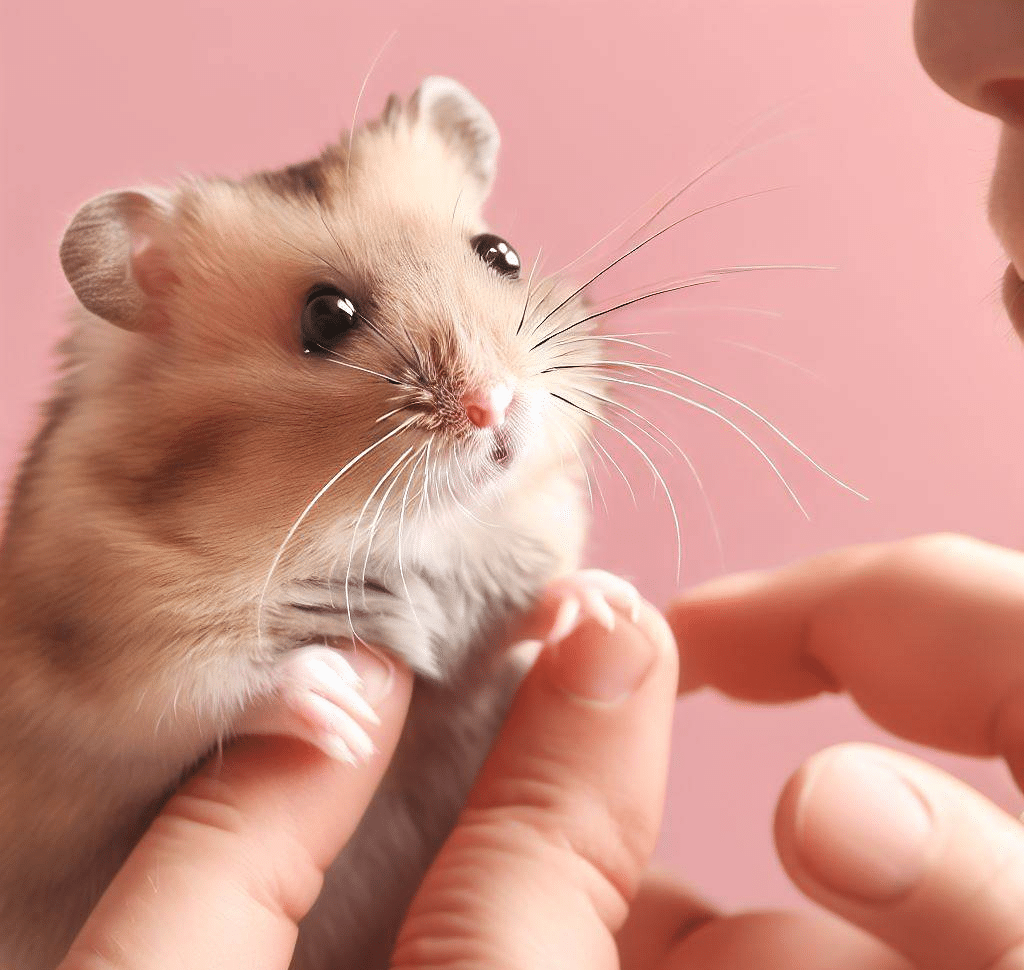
<point x="327" y="316"/>
<point x="497" y="254"/>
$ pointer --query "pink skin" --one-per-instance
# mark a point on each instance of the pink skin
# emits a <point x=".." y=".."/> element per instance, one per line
<point x="918" y="869"/>
<point x="487" y="406"/>
<point x="974" y="49"/>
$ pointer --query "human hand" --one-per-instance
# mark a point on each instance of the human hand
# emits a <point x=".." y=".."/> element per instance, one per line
<point x="548" y="863"/>
<point x="235" y="859"/>
<point x="925" y="636"/>
<point x="541" y="867"/>
<point x="548" y="866"/>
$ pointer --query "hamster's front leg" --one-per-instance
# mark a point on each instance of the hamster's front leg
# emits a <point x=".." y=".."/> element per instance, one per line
<point x="312" y="691"/>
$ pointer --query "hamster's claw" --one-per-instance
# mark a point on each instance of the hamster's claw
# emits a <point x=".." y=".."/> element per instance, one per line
<point x="590" y="594"/>
<point x="317" y="700"/>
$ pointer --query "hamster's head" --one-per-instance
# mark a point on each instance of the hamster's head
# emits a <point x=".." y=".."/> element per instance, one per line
<point x="350" y="319"/>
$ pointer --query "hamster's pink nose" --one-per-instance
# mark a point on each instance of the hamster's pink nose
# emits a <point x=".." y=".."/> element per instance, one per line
<point x="486" y="407"/>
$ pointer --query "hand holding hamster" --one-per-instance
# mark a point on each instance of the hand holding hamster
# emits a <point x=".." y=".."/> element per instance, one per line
<point x="235" y="859"/>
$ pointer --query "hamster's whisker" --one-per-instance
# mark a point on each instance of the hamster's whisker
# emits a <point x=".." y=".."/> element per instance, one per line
<point x="455" y="208"/>
<point x="752" y="310"/>
<point x="759" y="267"/>
<point x="390" y="414"/>
<point x="611" y="402"/>
<point x="376" y="520"/>
<point x="401" y="526"/>
<point x="425" y="489"/>
<point x="654" y="369"/>
<point x="732" y="152"/>
<point x="650" y="464"/>
<point x="529" y="291"/>
<point x="352" y="542"/>
<point x="305" y="252"/>
<point x="686" y="284"/>
<point x="581" y="338"/>
<point x="439" y="509"/>
<point x="359" y="98"/>
<point x="730" y="157"/>
<point x="751" y="348"/>
<point x="611" y="232"/>
<point x="427" y="481"/>
<point x="721" y="417"/>
<point x="618" y="468"/>
<point x="604" y="464"/>
<point x="309" y="508"/>
<point x="334" y="359"/>
<point x="582" y="464"/>
<point x="666" y="285"/>
<point x="469" y="488"/>
<point x="672" y="225"/>
<point x="476" y="494"/>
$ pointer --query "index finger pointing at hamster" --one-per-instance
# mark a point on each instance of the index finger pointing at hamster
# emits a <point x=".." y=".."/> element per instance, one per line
<point x="925" y="634"/>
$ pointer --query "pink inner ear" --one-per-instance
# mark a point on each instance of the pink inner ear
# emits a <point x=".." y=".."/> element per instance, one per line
<point x="148" y="263"/>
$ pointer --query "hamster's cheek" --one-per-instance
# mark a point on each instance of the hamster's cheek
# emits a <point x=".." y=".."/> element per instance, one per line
<point x="1006" y="212"/>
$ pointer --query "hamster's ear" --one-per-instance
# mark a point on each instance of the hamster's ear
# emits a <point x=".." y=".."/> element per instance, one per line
<point x="115" y="254"/>
<point x="464" y="124"/>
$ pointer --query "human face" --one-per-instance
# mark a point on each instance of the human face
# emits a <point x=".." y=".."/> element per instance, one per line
<point x="974" y="49"/>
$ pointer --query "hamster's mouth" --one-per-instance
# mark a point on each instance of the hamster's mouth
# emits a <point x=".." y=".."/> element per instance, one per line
<point x="502" y="454"/>
<point x="490" y="463"/>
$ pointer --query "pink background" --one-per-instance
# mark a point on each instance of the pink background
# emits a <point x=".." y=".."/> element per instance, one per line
<point x="897" y="371"/>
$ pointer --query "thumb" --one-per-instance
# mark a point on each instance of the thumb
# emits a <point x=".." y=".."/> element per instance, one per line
<point x="548" y="854"/>
<point x="236" y="858"/>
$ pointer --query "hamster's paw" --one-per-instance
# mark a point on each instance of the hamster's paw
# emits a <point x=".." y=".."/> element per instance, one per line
<point x="316" y="699"/>
<point x="588" y="594"/>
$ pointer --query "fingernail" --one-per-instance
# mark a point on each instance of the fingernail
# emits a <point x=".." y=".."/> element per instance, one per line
<point x="862" y="830"/>
<point x="600" y="666"/>
<point x="376" y="673"/>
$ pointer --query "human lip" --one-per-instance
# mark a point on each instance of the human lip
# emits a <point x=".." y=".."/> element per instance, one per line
<point x="1013" y="298"/>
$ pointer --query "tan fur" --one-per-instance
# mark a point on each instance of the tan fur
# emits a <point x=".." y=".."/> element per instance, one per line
<point x="181" y="448"/>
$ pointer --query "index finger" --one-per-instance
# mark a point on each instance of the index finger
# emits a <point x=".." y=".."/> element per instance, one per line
<point x="926" y="635"/>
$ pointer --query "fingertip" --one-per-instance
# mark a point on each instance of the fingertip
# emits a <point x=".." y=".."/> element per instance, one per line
<point x="700" y="617"/>
<point x="907" y="852"/>
<point x="605" y="664"/>
<point x="853" y="824"/>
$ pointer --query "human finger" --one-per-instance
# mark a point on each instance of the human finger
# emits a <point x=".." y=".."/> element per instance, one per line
<point x="924" y="634"/>
<point x="779" y="941"/>
<point x="664" y="911"/>
<point x="543" y="864"/>
<point x="236" y="858"/>
<point x="910" y="854"/>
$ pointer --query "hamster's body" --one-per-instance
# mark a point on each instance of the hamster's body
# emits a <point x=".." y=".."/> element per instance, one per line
<point x="163" y="554"/>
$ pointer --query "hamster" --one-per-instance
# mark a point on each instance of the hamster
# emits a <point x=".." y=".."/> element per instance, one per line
<point x="307" y="408"/>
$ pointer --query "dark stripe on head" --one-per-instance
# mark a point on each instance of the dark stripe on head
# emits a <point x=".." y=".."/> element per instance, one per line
<point x="305" y="181"/>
